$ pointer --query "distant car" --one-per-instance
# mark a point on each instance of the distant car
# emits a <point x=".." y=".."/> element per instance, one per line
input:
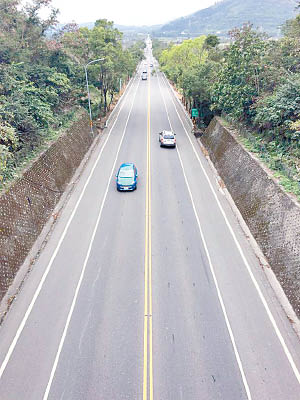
<point x="127" y="177"/>
<point x="167" y="139"/>
<point x="144" y="75"/>
<point x="151" y="65"/>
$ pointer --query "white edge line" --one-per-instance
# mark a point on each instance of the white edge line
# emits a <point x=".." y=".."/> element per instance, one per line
<point x="254" y="281"/>
<point x="38" y="290"/>
<point x="237" y="356"/>
<point x="45" y="397"/>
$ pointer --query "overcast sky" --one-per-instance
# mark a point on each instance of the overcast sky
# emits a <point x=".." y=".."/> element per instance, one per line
<point x="128" y="12"/>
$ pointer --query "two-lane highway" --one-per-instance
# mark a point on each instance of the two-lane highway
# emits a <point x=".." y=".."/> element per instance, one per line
<point x="151" y="294"/>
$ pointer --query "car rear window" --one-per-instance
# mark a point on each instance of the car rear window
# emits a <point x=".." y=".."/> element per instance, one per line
<point x="168" y="137"/>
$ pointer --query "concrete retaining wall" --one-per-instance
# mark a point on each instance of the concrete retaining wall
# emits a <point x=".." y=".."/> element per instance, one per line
<point x="272" y="216"/>
<point x="28" y="204"/>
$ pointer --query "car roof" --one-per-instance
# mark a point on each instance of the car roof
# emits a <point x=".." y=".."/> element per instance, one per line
<point x="167" y="133"/>
<point x="127" y="166"/>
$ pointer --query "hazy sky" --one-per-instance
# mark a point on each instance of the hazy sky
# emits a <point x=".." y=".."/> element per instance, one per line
<point x="128" y="12"/>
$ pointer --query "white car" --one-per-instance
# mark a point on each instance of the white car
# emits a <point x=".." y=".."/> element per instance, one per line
<point x="167" y="139"/>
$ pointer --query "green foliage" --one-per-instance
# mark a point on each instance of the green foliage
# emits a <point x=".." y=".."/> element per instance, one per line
<point x="295" y="126"/>
<point x="280" y="110"/>
<point x="103" y="41"/>
<point x="42" y="79"/>
<point x="292" y="28"/>
<point x="197" y="85"/>
<point x="158" y="46"/>
<point x="193" y="66"/>
<point x="211" y="41"/>
<point x="8" y="143"/>
<point x="240" y="76"/>
<point x="136" y="51"/>
<point x="23" y="31"/>
<point x="30" y="97"/>
<point x="178" y="59"/>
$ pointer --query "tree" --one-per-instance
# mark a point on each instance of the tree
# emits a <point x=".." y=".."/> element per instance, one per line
<point x="197" y="86"/>
<point x="103" y="41"/>
<point x="211" y="41"/>
<point x="292" y="28"/>
<point x="23" y="31"/>
<point x="42" y="80"/>
<point x="33" y="19"/>
<point x="193" y="66"/>
<point x="280" y="111"/>
<point x="179" y="58"/>
<point x="240" y="78"/>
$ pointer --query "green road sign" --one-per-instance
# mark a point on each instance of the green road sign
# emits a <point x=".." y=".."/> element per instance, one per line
<point x="195" y="112"/>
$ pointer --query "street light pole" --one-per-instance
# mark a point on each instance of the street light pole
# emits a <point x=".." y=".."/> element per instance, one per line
<point x="88" y="91"/>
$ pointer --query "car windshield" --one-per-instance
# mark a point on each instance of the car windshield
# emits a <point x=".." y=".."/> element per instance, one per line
<point x="168" y="137"/>
<point x="126" y="173"/>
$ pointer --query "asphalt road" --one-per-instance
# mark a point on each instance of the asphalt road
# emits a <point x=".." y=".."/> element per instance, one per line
<point x="151" y="294"/>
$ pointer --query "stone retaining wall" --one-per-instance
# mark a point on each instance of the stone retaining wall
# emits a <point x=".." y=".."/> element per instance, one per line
<point x="272" y="216"/>
<point x="29" y="202"/>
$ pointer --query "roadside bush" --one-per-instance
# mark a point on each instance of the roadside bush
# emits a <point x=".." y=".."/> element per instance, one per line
<point x="8" y="143"/>
<point x="280" y="110"/>
<point x="240" y="77"/>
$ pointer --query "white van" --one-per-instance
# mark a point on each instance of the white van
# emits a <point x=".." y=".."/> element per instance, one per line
<point x="144" y="75"/>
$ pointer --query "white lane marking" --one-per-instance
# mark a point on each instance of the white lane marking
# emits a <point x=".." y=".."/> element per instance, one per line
<point x="39" y="288"/>
<point x="45" y="397"/>
<point x="236" y="353"/>
<point x="254" y="281"/>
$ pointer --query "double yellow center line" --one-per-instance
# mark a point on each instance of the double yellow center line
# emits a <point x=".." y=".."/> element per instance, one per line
<point x="148" y="365"/>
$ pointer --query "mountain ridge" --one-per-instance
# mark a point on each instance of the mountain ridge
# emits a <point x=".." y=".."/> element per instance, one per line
<point x="267" y="15"/>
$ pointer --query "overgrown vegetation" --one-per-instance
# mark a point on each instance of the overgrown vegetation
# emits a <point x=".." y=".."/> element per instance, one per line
<point x="254" y="81"/>
<point x="42" y="78"/>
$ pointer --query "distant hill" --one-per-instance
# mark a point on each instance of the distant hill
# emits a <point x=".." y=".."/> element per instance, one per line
<point x="267" y="15"/>
<point x="141" y="29"/>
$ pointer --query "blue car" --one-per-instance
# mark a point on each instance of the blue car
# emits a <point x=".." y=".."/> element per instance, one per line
<point x="127" y="177"/>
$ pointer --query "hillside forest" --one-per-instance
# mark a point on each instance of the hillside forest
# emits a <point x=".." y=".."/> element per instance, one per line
<point x="253" y="82"/>
<point x="223" y="15"/>
<point x="42" y="77"/>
